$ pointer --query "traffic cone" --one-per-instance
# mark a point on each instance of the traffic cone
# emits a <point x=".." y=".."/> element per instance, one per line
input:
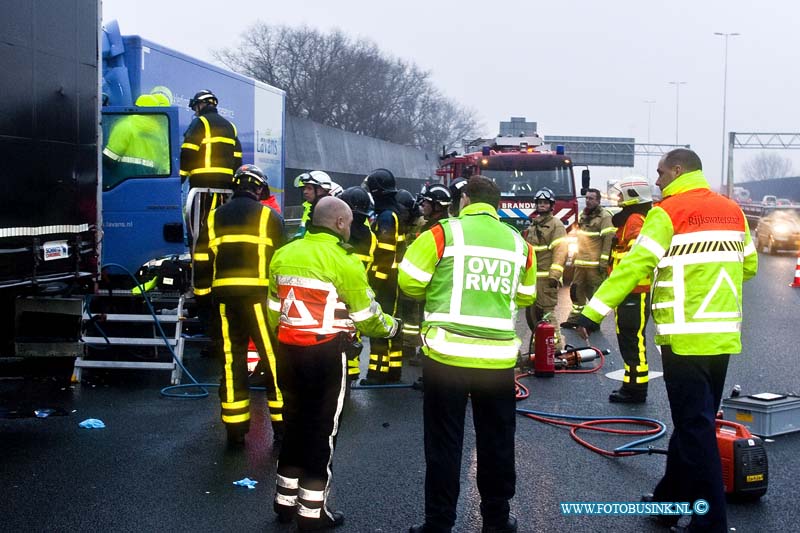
<point x="796" y="282"/>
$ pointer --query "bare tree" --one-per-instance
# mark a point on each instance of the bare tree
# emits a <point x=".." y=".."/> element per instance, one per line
<point x="767" y="165"/>
<point x="350" y="84"/>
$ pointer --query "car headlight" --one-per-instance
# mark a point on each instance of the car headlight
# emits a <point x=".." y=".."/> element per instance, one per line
<point x="781" y="228"/>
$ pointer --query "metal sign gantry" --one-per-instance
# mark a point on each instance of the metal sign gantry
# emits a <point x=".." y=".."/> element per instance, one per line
<point x="758" y="140"/>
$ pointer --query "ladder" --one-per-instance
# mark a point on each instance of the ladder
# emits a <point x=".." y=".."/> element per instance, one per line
<point x="123" y="323"/>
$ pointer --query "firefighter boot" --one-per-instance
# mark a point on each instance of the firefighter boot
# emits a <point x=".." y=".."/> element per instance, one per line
<point x="285" y="503"/>
<point x="627" y="395"/>
<point x="236" y="434"/>
<point x="313" y="513"/>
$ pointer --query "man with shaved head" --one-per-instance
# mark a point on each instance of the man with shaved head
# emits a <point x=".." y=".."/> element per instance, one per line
<point x="318" y="297"/>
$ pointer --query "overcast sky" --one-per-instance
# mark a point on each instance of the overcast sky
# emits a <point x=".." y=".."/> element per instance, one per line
<point x="576" y="67"/>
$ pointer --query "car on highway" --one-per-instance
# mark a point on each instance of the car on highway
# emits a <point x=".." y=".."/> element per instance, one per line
<point x="779" y="230"/>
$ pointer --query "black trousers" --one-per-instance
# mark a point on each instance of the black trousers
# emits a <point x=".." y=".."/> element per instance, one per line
<point x="313" y="380"/>
<point x="694" y="387"/>
<point x="241" y="319"/>
<point x="631" y="317"/>
<point x="493" y="411"/>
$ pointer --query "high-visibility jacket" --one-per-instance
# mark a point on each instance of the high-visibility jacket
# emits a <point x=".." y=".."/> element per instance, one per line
<point x="141" y="143"/>
<point x="625" y="238"/>
<point x="595" y="231"/>
<point x="548" y="238"/>
<point x="700" y="243"/>
<point x="211" y="151"/>
<point x="474" y="272"/>
<point x="319" y="289"/>
<point x="235" y="247"/>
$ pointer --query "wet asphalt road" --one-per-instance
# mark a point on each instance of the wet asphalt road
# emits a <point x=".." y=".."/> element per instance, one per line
<point x="162" y="464"/>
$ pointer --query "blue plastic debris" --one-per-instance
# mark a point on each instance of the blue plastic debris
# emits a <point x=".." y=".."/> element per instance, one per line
<point x="92" y="423"/>
<point x="246" y="482"/>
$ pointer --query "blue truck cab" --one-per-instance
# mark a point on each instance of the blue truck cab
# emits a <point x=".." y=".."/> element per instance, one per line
<point x="142" y="204"/>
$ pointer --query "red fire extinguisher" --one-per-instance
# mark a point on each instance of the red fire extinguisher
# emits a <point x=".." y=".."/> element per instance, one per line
<point x="545" y="349"/>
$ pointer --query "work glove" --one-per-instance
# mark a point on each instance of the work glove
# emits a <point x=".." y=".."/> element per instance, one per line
<point x="585" y="327"/>
<point x="552" y="283"/>
<point x="398" y="331"/>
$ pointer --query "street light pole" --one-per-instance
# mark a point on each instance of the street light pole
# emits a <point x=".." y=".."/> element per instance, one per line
<point x="724" y="109"/>
<point x="677" y="85"/>
<point x="649" y="117"/>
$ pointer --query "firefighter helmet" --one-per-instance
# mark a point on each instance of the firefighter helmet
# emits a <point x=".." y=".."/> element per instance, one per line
<point x="358" y="199"/>
<point x="632" y="191"/>
<point x="249" y="177"/>
<point x="545" y="194"/>
<point x="436" y="194"/>
<point x="336" y="189"/>
<point x="408" y="205"/>
<point x="455" y="188"/>
<point x="315" y="177"/>
<point x="380" y="181"/>
<point x="204" y="96"/>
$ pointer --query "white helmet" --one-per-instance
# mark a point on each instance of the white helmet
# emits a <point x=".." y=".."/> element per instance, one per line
<point x="632" y="191"/>
<point x="336" y="189"/>
<point x="315" y="177"/>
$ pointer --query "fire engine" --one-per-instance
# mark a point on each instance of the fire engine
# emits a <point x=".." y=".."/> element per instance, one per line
<point x="520" y="166"/>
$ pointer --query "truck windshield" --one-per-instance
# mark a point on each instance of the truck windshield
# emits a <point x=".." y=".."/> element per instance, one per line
<point x="527" y="182"/>
<point x="136" y="145"/>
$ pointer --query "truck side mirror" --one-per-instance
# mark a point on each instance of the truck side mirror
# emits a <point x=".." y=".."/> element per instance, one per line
<point x="585" y="179"/>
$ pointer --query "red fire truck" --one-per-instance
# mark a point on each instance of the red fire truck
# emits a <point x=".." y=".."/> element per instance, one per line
<point x="520" y="166"/>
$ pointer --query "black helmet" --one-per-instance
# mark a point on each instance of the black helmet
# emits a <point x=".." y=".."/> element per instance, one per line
<point x="455" y="188"/>
<point x="203" y="96"/>
<point x="358" y="199"/>
<point x="380" y="181"/>
<point x="249" y="177"/>
<point x="436" y="194"/>
<point x="408" y="205"/>
<point x="545" y="194"/>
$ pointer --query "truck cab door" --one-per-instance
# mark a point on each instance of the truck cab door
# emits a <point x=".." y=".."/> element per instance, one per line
<point x="142" y="205"/>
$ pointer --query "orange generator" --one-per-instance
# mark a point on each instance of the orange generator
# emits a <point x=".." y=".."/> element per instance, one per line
<point x="745" y="470"/>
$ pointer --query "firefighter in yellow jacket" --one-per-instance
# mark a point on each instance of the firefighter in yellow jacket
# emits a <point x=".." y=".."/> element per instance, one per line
<point x="231" y="261"/>
<point x="632" y="314"/>
<point x="595" y="232"/>
<point x="548" y="238"/>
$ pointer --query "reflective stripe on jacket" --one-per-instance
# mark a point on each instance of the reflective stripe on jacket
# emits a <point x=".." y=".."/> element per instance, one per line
<point x="595" y="232"/>
<point x="235" y="247"/>
<point x="701" y="245"/>
<point x="548" y="238"/>
<point x="319" y="290"/>
<point x="211" y="151"/>
<point x="474" y="272"/>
